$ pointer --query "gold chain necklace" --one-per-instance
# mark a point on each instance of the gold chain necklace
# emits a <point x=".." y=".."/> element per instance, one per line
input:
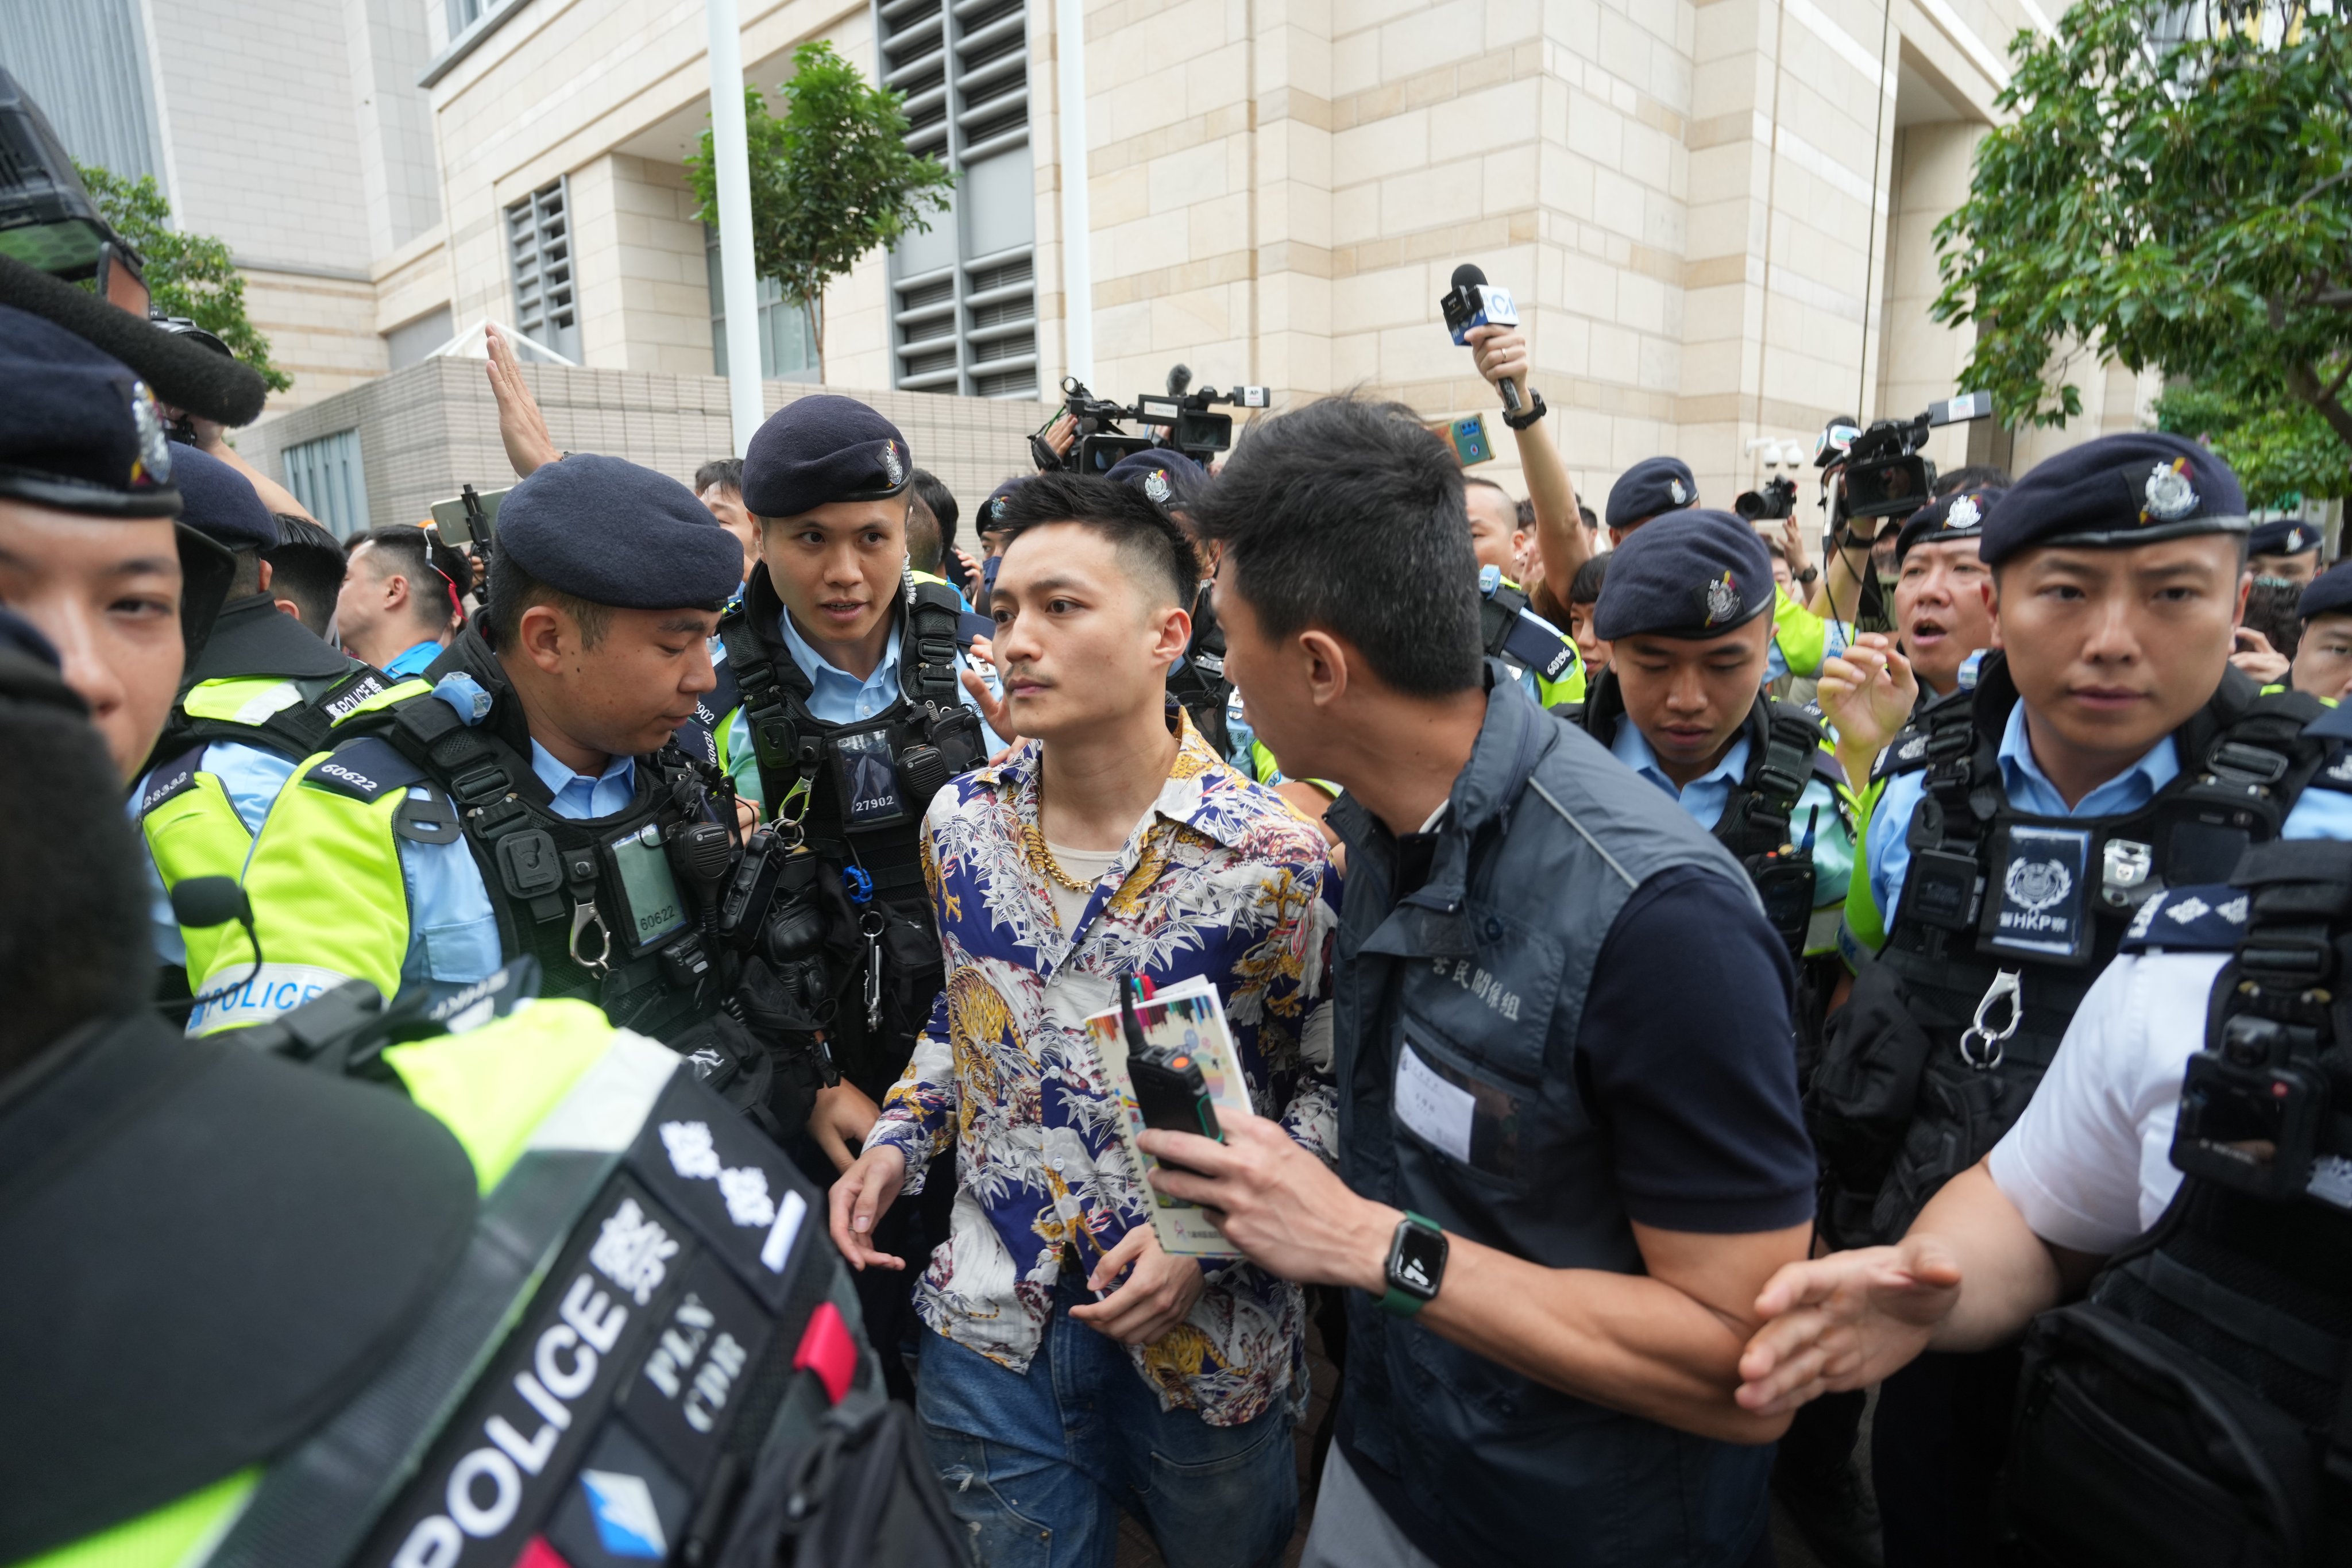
<point x="1033" y="836"/>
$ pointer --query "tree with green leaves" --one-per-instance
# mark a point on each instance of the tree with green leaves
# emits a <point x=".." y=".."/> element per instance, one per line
<point x="2174" y="190"/>
<point x="831" y="177"/>
<point x="188" y="275"/>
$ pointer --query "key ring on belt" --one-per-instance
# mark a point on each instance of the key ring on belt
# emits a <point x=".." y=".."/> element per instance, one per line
<point x="2008" y="986"/>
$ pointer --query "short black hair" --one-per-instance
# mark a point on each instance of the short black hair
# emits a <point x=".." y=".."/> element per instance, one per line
<point x="245" y="579"/>
<point x="82" y="949"/>
<point x="943" y="502"/>
<point x="1972" y="476"/>
<point x="513" y="590"/>
<point x="2275" y="609"/>
<point x="428" y="563"/>
<point x="1586" y="515"/>
<point x="1527" y="511"/>
<point x="1585" y="589"/>
<point x="1346" y="514"/>
<point x="306" y="570"/>
<point x="924" y="550"/>
<point x="1147" y="539"/>
<point x="727" y="473"/>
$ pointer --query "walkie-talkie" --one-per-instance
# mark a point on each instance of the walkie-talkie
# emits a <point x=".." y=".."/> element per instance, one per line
<point x="1169" y="1087"/>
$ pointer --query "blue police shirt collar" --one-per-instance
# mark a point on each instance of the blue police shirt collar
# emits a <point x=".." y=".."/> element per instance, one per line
<point x="2029" y="789"/>
<point x="602" y="795"/>
<point x="1632" y="748"/>
<point x="813" y="663"/>
<point x="416" y="659"/>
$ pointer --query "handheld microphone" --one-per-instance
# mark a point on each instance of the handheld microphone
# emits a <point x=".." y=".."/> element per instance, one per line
<point x="1474" y="302"/>
<point x="202" y="901"/>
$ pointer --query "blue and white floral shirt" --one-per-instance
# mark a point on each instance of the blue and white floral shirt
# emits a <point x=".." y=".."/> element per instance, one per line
<point x="1219" y="879"/>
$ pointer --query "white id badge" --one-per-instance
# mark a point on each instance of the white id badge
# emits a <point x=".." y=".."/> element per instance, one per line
<point x="1436" y="1111"/>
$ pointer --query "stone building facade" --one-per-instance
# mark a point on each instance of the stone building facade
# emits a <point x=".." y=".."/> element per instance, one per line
<point x="1716" y="215"/>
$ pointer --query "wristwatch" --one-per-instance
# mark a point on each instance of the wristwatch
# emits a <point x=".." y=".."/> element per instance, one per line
<point x="1808" y="574"/>
<point x="1417" y="1264"/>
<point x="1534" y="411"/>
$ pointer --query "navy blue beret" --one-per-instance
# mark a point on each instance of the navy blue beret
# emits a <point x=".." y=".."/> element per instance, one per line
<point x="2284" y="536"/>
<point x="824" y="448"/>
<point x="219" y="502"/>
<point x="1961" y="515"/>
<point x="611" y="532"/>
<point x="1692" y="574"/>
<point x="1171" y="478"/>
<point x="2329" y="594"/>
<point x="1651" y="487"/>
<point x="993" y="507"/>
<point x="82" y="432"/>
<point x="2117" y="491"/>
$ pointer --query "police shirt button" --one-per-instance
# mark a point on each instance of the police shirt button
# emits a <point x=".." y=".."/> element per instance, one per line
<point x="1494" y="929"/>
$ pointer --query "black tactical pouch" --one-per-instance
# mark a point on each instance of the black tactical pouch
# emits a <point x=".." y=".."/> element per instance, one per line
<point x="2129" y="1450"/>
<point x="858" y="1492"/>
<point x="1867" y="1084"/>
<point x="725" y="1057"/>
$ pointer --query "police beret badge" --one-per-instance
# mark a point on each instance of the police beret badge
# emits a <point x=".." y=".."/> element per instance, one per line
<point x="1722" y="598"/>
<point x="2170" y="497"/>
<point x="892" y="468"/>
<point x="154" y="464"/>
<point x="1156" y="485"/>
<point x="1680" y="491"/>
<point x="1964" y="513"/>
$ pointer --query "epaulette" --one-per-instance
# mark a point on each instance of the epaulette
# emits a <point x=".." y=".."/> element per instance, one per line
<point x="2209" y="918"/>
<point x="1906" y="753"/>
<point x="363" y="769"/>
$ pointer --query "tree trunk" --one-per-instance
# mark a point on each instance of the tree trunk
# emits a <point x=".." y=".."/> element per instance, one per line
<point x="2303" y="380"/>
<point x="816" y="320"/>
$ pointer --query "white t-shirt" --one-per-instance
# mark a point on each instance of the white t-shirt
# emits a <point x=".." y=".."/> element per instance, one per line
<point x="2090" y="1163"/>
<point x="1087" y="866"/>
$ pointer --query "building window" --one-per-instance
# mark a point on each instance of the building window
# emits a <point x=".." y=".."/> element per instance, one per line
<point x="787" y="333"/>
<point x="326" y="477"/>
<point x="539" y="238"/>
<point x="963" y="296"/>
<point x="463" y="14"/>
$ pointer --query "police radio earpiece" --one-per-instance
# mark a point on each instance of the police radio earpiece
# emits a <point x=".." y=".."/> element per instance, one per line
<point x="1473" y="303"/>
<point x="202" y="903"/>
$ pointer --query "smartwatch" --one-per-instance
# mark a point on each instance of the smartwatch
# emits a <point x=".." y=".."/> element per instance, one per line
<point x="1808" y="574"/>
<point x="1417" y="1264"/>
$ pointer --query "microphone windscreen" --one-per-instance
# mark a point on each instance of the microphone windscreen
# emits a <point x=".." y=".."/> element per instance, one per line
<point x="201" y="901"/>
<point x="1469" y="273"/>
<point x="179" y="370"/>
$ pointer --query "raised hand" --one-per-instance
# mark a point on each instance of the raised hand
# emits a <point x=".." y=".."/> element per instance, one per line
<point x="521" y="427"/>
<point x="1844" y="1322"/>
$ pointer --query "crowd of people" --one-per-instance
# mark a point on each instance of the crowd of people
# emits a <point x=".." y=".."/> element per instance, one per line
<point x="576" y="1048"/>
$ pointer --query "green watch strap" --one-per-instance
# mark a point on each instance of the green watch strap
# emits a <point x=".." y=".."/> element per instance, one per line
<point x="1405" y="1303"/>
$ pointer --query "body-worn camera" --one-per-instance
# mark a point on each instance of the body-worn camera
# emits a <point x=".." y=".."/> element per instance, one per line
<point x="1188" y="418"/>
<point x="2252" y="1110"/>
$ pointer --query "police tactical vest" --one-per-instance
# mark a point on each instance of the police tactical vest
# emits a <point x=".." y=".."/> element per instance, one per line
<point x="1523" y="639"/>
<point x="855" y="794"/>
<point x="262" y="682"/>
<point x="2004" y="921"/>
<point x="2197" y="1407"/>
<point x="1759" y="824"/>
<point x="595" y="901"/>
<point x="1458" y="996"/>
<point x="633" y="1341"/>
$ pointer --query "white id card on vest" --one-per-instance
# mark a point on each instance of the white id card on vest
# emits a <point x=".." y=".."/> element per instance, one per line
<point x="1436" y="1111"/>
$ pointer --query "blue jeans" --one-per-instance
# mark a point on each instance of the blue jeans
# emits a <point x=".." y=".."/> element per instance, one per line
<point x="1038" y="1466"/>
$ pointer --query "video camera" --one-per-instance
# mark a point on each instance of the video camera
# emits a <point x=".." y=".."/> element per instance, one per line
<point x="1885" y="475"/>
<point x="1191" y="428"/>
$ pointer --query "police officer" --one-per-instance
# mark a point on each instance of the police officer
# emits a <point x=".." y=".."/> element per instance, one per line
<point x="2188" y="1408"/>
<point x="2323" y="655"/>
<point x="265" y="693"/>
<point x="2285" y="550"/>
<point x="531" y="802"/>
<point x="1531" y="1374"/>
<point x="1680" y="704"/>
<point x="1656" y="486"/>
<point x="527" y="1293"/>
<point x="2109" y="751"/>
<point x="89" y="550"/>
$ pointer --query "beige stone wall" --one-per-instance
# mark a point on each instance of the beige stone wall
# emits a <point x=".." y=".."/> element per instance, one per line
<point x="322" y="331"/>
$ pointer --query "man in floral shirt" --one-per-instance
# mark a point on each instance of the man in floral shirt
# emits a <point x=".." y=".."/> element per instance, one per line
<point x="1074" y="1367"/>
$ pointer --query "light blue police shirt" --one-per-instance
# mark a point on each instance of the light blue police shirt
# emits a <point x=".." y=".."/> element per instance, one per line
<point x="251" y="778"/>
<point x="1704" y="798"/>
<point x="415" y="659"/>
<point x="2320" y="814"/>
<point x="836" y="697"/>
<point x="453" y="935"/>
